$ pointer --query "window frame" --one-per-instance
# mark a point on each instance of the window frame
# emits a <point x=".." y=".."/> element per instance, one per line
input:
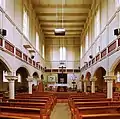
<point x="26" y="24"/>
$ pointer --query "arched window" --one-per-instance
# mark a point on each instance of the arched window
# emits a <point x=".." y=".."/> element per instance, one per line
<point x="5" y="74"/>
<point x="81" y="51"/>
<point x="25" y="22"/>
<point x="62" y="53"/>
<point x="2" y="4"/>
<point x="19" y="78"/>
<point x="117" y="3"/>
<point x="43" y="51"/>
<point x="97" y="23"/>
<point x="37" y="41"/>
<point x="86" y="42"/>
<point x="118" y="77"/>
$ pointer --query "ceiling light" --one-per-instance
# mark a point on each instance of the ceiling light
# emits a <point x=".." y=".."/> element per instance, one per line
<point x="59" y="31"/>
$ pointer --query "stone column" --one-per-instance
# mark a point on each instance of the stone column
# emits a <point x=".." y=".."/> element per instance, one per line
<point x="30" y="79"/>
<point x="85" y="85"/>
<point x="11" y="80"/>
<point x="80" y="85"/>
<point x="93" y="79"/>
<point x="109" y="80"/>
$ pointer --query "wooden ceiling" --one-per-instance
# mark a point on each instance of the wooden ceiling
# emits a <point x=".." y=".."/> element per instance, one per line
<point x="69" y="14"/>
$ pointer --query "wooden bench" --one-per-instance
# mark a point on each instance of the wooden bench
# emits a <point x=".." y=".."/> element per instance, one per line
<point x="100" y="116"/>
<point x="91" y="100"/>
<point x="33" y="113"/>
<point x="25" y="100"/>
<point x="80" y="111"/>
<point x="2" y="116"/>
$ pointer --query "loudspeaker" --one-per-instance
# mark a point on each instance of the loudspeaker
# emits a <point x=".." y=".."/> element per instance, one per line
<point x="3" y="32"/>
<point x="90" y="56"/>
<point x="116" y="32"/>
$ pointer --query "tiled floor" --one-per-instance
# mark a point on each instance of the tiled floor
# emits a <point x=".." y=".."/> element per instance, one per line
<point x="61" y="111"/>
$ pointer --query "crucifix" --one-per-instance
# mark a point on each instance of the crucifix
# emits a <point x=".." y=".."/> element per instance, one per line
<point x="62" y="67"/>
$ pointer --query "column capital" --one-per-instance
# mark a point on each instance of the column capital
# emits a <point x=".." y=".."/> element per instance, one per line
<point x="93" y="79"/>
<point x="110" y="77"/>
<point x="11" y="78"/>
<point x="29" y="78"/>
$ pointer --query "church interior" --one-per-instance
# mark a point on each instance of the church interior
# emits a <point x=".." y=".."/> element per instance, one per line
<point x="59" y="59"/>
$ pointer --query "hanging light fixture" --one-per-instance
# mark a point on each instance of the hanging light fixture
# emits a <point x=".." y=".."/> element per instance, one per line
<point x="59" y="31"/>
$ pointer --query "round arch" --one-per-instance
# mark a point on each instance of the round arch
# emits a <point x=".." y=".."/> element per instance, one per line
<point x="88" y="76"/>
<point x="114" y="65"/>
<point x="4" y="67"/>
<point x="99" y="73"/>
<point x="22" y="83"/>
<point x="35" y="75"/>
<point x="6" y="64"/>
<point x="115" y="70"/>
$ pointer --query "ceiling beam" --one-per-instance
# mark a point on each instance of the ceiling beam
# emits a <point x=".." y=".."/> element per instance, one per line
<point x="60" y="26"/>
<point x="86" y="6"/>
<point x="70" y="35"/>
<point x="45" y="30"/>
<point x="64" y="14"/>
<point x="65" y="21"/>
<point x="63" y="37"/>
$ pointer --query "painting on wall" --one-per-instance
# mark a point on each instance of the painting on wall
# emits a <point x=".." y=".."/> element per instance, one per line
<point x="51" y="78"/>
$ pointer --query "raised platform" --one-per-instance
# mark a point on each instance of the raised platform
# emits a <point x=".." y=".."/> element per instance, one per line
<point x="62" y="95"/>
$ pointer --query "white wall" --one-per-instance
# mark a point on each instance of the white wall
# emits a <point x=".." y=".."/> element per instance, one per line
<point x="11" y="19"/>
<point x="109" y="20"/>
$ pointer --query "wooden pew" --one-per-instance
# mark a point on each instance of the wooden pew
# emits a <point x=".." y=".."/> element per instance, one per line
<point x="26" y="100"/>
<point x="80" y="111"/>
<point x="96" y="103"/>
<point x="24" y="104"/>
<point x="91" y="100"/>
<point x="98" y="110"/>
<point x="2" y="116"/>
<point x="45" y="108"/>
<point x="33" y="113"/>
<point x="100" y="116"/>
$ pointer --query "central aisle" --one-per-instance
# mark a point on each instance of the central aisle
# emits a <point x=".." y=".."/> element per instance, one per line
<point x="61" y="111"/>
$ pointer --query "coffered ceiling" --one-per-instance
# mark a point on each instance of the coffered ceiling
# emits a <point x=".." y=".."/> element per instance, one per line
<point x="69" y="14"/>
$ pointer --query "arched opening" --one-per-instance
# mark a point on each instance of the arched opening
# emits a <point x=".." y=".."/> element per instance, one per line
<point x="87" y="77"/>
<point x="82" y="78"/>
<point x="100" y="83"/>
<point x="3" y="81"/>
<point x="35" y="76"/>
<point x="116" y="85"/>
<point x="21" y="85"/>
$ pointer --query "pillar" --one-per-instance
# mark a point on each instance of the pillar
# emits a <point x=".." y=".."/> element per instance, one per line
<point x="11" y="80"/>
<point x="80" y="85"/>
<point x="85" y="86"/>
<point x="109" y="80"/>
<point x="93" y="79"/>
<point x="30" y="79"/>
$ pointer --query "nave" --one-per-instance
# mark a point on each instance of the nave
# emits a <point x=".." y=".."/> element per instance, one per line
<point x="49" y="105"/>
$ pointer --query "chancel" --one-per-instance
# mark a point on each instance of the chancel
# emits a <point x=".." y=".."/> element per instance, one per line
<point x="60" y="59"/>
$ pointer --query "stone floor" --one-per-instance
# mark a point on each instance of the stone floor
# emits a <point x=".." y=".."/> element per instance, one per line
<point x="61" y="111"/>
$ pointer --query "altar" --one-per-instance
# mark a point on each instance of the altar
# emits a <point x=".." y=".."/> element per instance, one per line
<point x="59" y="87"/>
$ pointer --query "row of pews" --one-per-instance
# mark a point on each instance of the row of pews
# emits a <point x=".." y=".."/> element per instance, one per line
<point x="93" y="106"/>
<point x="28" y="106"/>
